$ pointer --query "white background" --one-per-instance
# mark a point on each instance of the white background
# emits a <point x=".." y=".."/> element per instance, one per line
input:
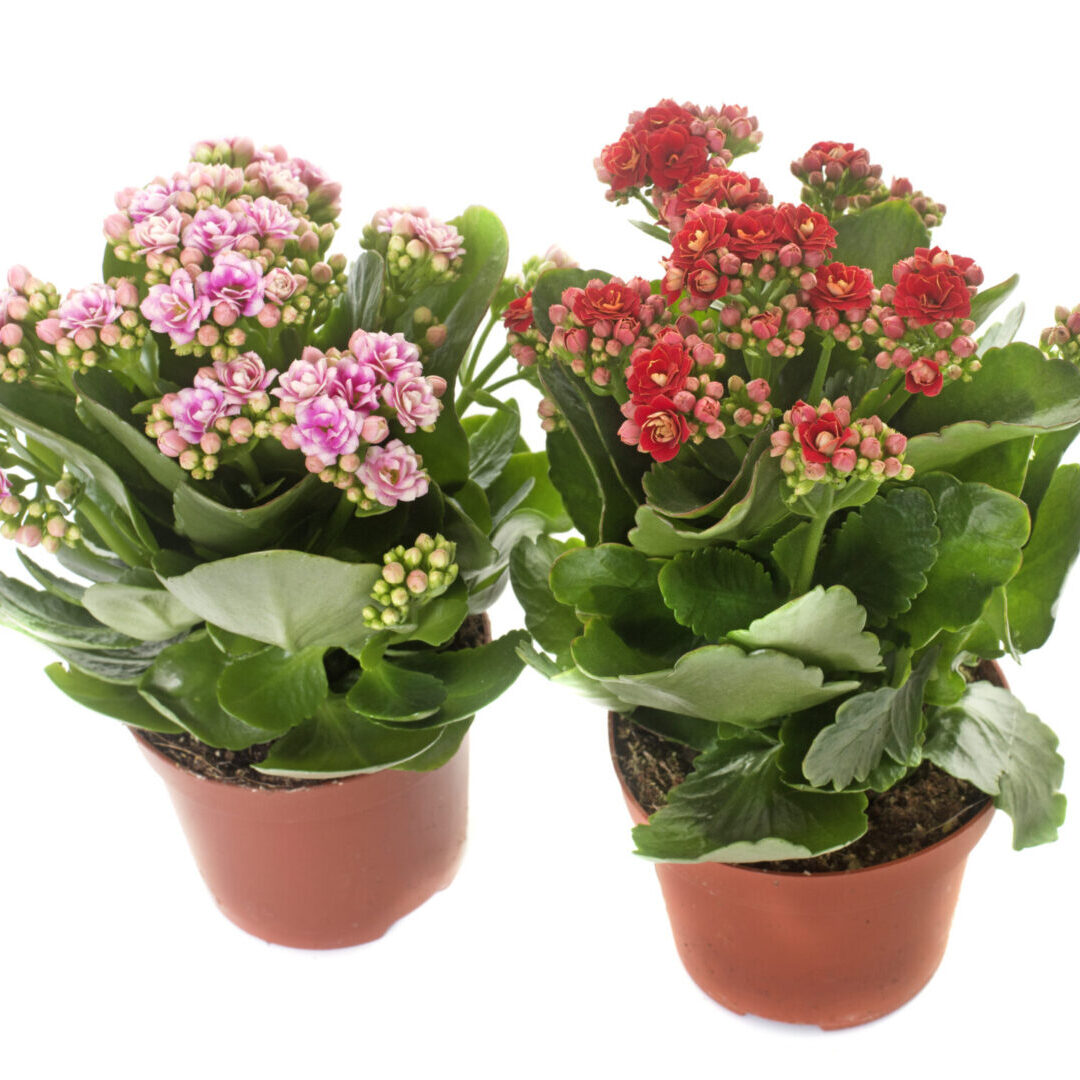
<point x="551" y="954"/>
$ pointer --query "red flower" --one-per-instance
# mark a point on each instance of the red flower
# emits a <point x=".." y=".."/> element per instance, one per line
<point x="821" y="438"/>
<point x="663" y="428"/>
<point x="842" y="288"/>
<point x="674" y="155"/>
<point x="805" y="227"/>
<point x="718" y="187"/>
<point x="518" y="315"/>
<point x="625" y="162"/>
<point x="662" y="115"/>
<point x="704" y="281"/>
<point x="931" y="260"/>
<point x="932" y="296"/>
<point x="612" y="302"/>
<point x="659" y="372"/>
<point x="705" y="231"/>
<point x="753" y="232"/>
<point x="924" y="377"/>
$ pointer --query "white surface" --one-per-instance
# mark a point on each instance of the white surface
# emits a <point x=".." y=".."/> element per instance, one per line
<point x="551" y="954"/>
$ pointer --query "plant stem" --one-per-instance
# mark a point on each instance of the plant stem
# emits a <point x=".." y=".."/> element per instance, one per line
<point x="872" y="401"/>
<point x="471" y="390"/>
<point x="250" y="470"/>
<point x="505" y="382"/>
<point x="110" y="535"/>
<point x="653" y="212"/>
<point x="817" y="387"/>
<point x="474" y="356"/>
<point x="813" y="545"/>
<point x="896" y="401"/>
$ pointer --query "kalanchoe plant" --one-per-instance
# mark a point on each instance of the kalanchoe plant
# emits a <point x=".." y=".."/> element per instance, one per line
<point x="815" y="491"/>
<point x="250" y="455"/>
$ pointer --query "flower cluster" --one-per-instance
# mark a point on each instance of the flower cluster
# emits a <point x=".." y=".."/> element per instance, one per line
<point x="932" y="213"/>
<point x="840" y="299"/>
<point x="665" y="146"/>
<point x="23" y="304"/>
<point x="718" y="186"/>
<point x="824" y="445"/>
<point x="524" y="339"/>
<point x="923" y="320"/>
<point x="1062" y="340"/>
<point x="410" y="578"/>
<point x="330" y="407"/>
<point x="38" y="521"/>
<point x="836" y="176"/>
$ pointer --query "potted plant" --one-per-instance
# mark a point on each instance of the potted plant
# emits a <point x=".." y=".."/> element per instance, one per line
<point x="819" y="494"/>
<point x="283" y="533"/>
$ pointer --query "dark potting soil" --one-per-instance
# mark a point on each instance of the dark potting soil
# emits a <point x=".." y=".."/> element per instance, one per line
<point x="912" y="815"/>
<point x="238" y="766"/>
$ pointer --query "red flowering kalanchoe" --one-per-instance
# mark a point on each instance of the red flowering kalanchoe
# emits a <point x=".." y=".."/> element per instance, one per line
<point x="1062" y="340"/>
<point x="824" y="445"/>
<point x="518" y="315"/>
<point x="718" y="186"/>
<point x="658" y="427"/>
<point x="624" y="163"/>
<point x="836" y="175"/>
<point x="660" y="371"/>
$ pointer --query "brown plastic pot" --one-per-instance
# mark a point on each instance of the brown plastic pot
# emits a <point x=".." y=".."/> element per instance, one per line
<point x="832" y="949"/>
<point x="325" y="866"/>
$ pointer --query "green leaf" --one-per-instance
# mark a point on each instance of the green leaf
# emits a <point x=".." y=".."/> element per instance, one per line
<point x="440" y="619"/>
<point x="880" y="237"/>
<point x="235" y="646"/>
<point x="365" y="291"/>
<point x="1055" y="540"/>
<point x="982" y="532"/>
<point x="451" y="736"/>
<point x="283" y="598"/>
<point x="1017" y="394"/>
<point x="79" y="560"/>
<point x="575" y="482"/>
<point x="120" y="702"/>
<point x="339" y="742"/>
<point x="389" y="692"/>
<point x="653" y="230"/>
<point x="823" y="627"/>
<point x="882" y="552"/>
<point x="1046" y="456"/>
<point x="716" y="590"/>
<point x="1001" y="334"/>
<point x="491" y="446"/>
<point x="1003" y="466"/>
<point x="445" y="451"/>
<point x="542" y="497"/>
<point x="688" y="730"/>
<point x="985" y="302"/>
<point x="58" y="586"/>
<point x="612" y="580"/>
<point x="788" y="551"/>
<point x="274" y="690"/>
<point x="989" y="739"/>
<point x="182" y="685"/>
<point x="227" y="531"/>
<point x="721" y="683"/>
<point x="549" y="288"/>
<point x="868" y="725"/>
<point x="139" y="611"/>
<point x="552" y="624"/>
<point x="735" y="808"/>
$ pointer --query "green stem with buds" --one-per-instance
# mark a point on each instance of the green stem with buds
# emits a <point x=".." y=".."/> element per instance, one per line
<point x="470" y="367"/>
<point x="814" y="536"/>
<point x="111" y="536"/>
<point x="873" y="401"/>
<point x="473" y="388"/>
<point x="817" y="387"/>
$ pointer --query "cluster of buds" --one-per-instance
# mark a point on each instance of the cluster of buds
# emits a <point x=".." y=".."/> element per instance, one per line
<point x="718" y="186"/>
<point x="94" y="323"/>
<point x="24" y="302"/>
<point x="599" y="327"/>
<point x="514" y="302"/>
<point x="419" y="250"/>
<point x="824" y="445"/>
<point x="746" y="405"/>
<point x="923" y="320"/>
<point x="932" y="213"/>
<point x="39" y="521"/>
<point x="674" y="399"/>
<point x="663" y="147"/>
<point x="1062" y="340"/>
<point x="411" y="577"/>
<point x="836" y="176"/>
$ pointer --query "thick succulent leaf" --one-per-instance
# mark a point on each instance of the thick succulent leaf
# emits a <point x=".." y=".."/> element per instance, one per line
<point x="112" y="699"/>
<point x="1055" y="540"/>
<point x="449" y="741"/>
<point x="571" y="679"/>
<point x="439" y="620"/>
<point x="761" y="507"/>
<point x="80" y="560"/>
<point x="879" y="237"/>
<point x="492" y="444"/>
<point x="982" y="533"/>
<point x="989" y="739"/>
<point x="227" y="531"/>
<point x="1001" y="334"/>
<point x="823" y="627"/>
<point x="570" y="473"/>
<point x="274" y="690"/>
<point x="716" y="590"/>
<point x="883" y="552"/>
<point x="1046" y="456"/>
<point x="611" y="579"/>
<point x="388" y="692"/>
<point x="339" y="742"/>
<point x="522" y="469"/>
<point x="1003" y="465"/>
<point x="688" y="730"/>
<point x="364" y="294"/>
<point x="235" y="646"/>
<point x="60" y="587"/>
<point x="735" y="808"/>
<point x="552" y="624"/>
<point x="182" y="685"/>
<point x="719" y="683"/>
<point x="868" y="726"/>
<point x="550" y="287"/>
<point x="284" y="598"/>
<point x="138" y="610"/>
<point x="987" y="301"/>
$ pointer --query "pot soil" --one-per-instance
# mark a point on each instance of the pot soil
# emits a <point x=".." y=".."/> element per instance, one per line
<point x="317" y="864"/>
<point x="806" y="943"/>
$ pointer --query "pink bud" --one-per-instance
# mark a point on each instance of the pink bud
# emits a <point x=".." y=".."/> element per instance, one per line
<point x="171" y="443"/>
<point x="435" y="335"/>
<point x="11" y="334"/>
<point x="241" y="429"/>
<point x="629" y="433"/>
<point x="269" y="316"/>
<point x="683" y="401"/>
<point x="896" y="443"/>
<point x="577" y="341"/>
<point x="374" y="429"/>
<point x="815" y="470"/>
<point x="17" y="308"/>
<point x="601" y="376"/>
<point x="758" y="390"/>
<point x="437" y="384"/>
<point x="716" y="429"/>
<point x="557" y="314"/>
<point x="28" y="536"/>
<point x="902" y="358"/>
<point x="117" y="227"/>
<point x="707" y="410"/>
<point x="963" y="347"/>
<point x="799" y="319"/>
<point x="290" y="438"/>
<point x="743" y="417"/>
<point x="790" y="255"/>
<point x="892" y="467"/>
<point x="844" y="460"/>
<point x="210" y="443"/>
<point x="10" y="505"/>
<point x="870" y="448"/>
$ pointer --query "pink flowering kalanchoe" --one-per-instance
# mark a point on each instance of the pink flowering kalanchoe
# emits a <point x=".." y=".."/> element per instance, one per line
<point x="175" y="309"/>
<point x="91" y="308"/>
<point x="306" y="378"/>
<point x="325" y="429"/>
<point x="195" y="410"/>
<point x="243" y="380"/>
<point x="215" y="230"/>
<point x="392" y="473"/>
<point x="234" y="287"/>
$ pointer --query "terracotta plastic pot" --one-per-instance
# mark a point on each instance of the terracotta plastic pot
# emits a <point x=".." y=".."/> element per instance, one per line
<point x="832" y="949"/>
<point x="324" y="866"/>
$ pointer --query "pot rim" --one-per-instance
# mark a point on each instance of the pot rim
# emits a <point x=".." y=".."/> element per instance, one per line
<point x="976" y="820"/>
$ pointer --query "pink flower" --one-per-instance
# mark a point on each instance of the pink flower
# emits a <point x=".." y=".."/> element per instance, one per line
<point x="5" y="485"/>
<point x="269" y="218"/>
<point x="278" y="180"/>
<point x="195" y="410"/>
<point x="235" y="285"/>
<point x="414" y="401"/>
<point x="222" y="180"/>
<point x="242" y="380"/>
<point x="438" y="237"/>
<point x="392" y="473"/>
<point x="326" y="429"/>
<point x="174" y="309"/>
<point x="158" y="233"/>
<point x="306" y="378"/>
<point x="281" y="285"/>
<point x="147" y="202"/>
<point x="214" y="230"/>
<point x="355" y="385"/>
<point x="387" y="353"/>
<point x="387" y="221"/>
<point x="90" y="308"/>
